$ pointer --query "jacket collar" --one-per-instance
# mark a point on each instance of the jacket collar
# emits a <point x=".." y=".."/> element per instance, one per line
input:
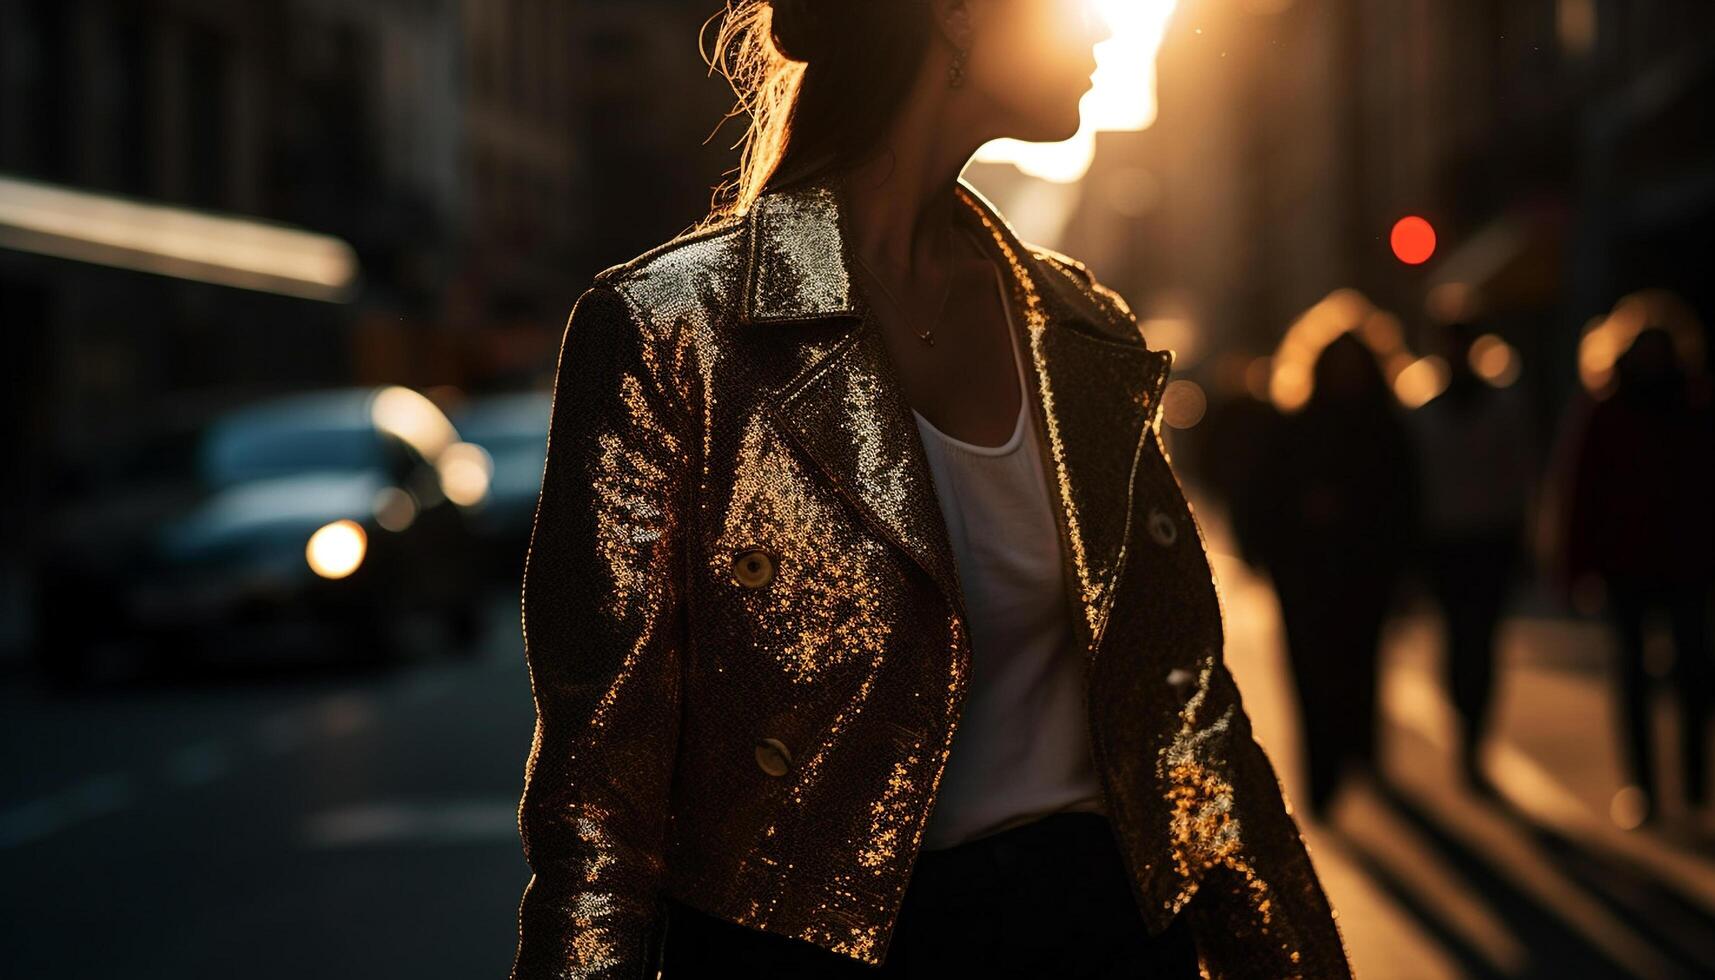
<point x="800" y="265"/>
<point x="800" y="259"/>
<point x="1094" y="391"/>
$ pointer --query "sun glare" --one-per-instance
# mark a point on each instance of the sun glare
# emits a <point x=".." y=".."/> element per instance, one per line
<point x="1123" y="97"/>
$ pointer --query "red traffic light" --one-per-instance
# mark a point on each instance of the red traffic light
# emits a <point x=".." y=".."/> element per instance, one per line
<point x="1413" y="240"/>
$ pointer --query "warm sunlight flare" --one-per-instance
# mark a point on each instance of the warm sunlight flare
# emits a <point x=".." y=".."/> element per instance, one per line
<point x="1123" y="97"/>
<point x="227" y="250"/>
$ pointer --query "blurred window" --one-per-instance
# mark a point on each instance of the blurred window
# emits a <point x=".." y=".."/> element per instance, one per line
<point x="207" y="66"/>
<point x="42" y="62"/>
<point x="134" y="118"/>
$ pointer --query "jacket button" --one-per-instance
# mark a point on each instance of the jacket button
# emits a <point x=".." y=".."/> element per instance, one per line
<point x="753" y="567"/>
<point x="1162" y="528"/>
<point x="1181" y="681"/>
<point x="773" y="756"/>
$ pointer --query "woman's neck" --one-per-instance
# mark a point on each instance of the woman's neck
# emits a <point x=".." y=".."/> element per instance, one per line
<point x="900" y="200"/>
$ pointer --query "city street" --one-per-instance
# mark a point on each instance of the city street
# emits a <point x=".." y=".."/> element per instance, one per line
<point x="297" y="823"/>
<point x="295" y="292"/>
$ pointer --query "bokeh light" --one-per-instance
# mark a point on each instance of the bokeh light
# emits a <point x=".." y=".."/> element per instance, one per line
<point x="337" y="549"/>
<point x="394" y="508"/>
<point x="1183" y="404"/>
<point x="466" y="470"/>
<point x="1494" y="360"/>
<point x="1176" y="332"/>
<point x="1421" y="380"/>
<point x="411" y="416"/>
<point x="1628" y="808"/>
<point x="1413" y="240"/>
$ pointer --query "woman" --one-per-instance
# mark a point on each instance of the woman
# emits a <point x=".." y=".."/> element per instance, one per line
<point x="1639" y="528"/>
<point x="1341" y="488"/>
<point x="1477" y="470"/>
<point x="843" y="472"/>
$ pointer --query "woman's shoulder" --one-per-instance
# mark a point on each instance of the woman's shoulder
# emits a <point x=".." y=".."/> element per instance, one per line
<point x="694" y="268"/>
<point x="1079" y="277"/>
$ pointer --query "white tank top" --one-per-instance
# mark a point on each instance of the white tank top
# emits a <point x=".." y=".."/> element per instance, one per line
<point x="1021" y="750"/>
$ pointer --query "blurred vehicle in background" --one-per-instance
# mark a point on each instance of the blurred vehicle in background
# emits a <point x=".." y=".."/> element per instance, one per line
<point x="336" y="514"/>
<point x="513" y="429"/>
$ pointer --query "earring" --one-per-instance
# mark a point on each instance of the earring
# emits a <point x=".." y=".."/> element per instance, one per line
<point x="956" y="70"/>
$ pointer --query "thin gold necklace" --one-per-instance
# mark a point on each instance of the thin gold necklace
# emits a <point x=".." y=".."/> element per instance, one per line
<point x="927" y="336"/>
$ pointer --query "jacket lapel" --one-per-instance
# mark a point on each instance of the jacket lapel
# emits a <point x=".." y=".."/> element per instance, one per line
<point x="849" y="414"/>
<point x="844" y="405"/>
<point x="1095" y="388"/>
<point x="1098" y="388"/>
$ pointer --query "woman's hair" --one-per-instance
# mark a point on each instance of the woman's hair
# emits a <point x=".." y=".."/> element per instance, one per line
<point x="820" y="81"/>
<point x="1347" y="371"/>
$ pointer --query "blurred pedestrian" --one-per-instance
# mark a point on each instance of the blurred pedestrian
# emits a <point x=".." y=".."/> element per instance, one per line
<point x="1339" y="526"/>
<point x="1640" y="535"/>
<point x="1241" y="426"/>
<point x="1477" y="463"/>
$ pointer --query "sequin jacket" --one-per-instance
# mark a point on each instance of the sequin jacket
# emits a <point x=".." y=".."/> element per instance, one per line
<point x="746" y="638"/>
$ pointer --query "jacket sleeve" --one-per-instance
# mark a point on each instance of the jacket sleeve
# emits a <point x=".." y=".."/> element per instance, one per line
<point x="603" y="627"/>
<point x="1259" y="912"/>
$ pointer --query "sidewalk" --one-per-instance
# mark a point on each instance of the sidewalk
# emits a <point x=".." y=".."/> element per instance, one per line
<point x="1431" y="882"/>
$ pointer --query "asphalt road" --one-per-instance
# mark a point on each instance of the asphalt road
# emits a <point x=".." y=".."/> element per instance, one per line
<point x="288" y="822"/>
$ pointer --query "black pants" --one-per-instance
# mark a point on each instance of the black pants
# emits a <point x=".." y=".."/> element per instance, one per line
<point x="1471" y="576"/>
<point x="1047" y="899"/>
<point x="1333" y="620"/>
<point x="1686" y="606"/>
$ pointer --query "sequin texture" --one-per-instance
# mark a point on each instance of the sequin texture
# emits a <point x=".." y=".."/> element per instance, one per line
<point x="730" y="390"/>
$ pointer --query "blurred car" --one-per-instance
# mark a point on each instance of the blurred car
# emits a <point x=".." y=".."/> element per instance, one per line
<point x="513" y="429"/>
<point x="328" y="513"/>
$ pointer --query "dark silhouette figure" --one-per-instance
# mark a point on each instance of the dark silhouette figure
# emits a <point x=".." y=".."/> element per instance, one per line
<point x="1237" y="434"/>
<point x="1477" y="463"/>
<point x="1641" y="523"/>
<point x="1339" y="494"/>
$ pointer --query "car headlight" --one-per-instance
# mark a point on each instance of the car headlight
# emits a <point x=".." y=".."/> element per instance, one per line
<point x="336" y="550"/>
<point x="466" y="471"/>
